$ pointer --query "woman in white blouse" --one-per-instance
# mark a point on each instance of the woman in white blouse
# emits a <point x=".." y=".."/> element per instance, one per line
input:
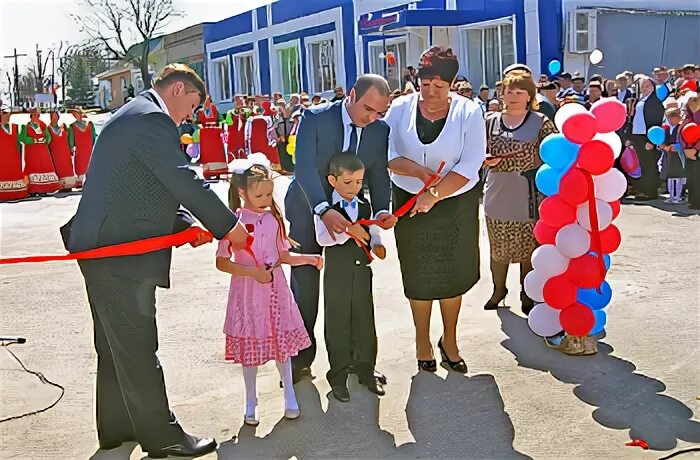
<point x="437" y="241"/>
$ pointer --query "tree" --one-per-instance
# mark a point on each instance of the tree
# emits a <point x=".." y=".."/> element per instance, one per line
<point x="110" y="22"/>
<point x="79" y="67"/>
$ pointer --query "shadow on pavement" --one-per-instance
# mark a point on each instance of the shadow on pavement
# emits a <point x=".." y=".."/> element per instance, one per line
<point x="624" y="399"/>
<point x="122" y="452"/>
<point x="677" y="210"/>
<point x="453" y="418"/>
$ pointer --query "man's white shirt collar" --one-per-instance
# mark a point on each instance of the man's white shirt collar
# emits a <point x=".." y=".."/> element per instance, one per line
<point x="160" y="100"/>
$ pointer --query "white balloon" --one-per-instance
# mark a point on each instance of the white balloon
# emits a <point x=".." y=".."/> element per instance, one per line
<point x="573" y="241"/>
<point x="548" y="260"/>
<point x="534" y="285"/>
<point x="613" y="140"/>
<point x="566" y="111"/>
<point x="605" y="215"/>
<point x="596" y="57"/>
<point x="610" y="186"/>
<point x="544" y="320"/>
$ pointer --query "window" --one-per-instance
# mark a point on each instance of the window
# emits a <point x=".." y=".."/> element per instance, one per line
<point x="289" y="69"/>
<point x="245" y="78"/>
<point x="322" y="65"/>
<point x="490" y="50"/>
<point x="222" y="77"/>
<point x="392" y="73"/>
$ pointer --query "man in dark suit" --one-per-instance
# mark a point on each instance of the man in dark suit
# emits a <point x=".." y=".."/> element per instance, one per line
<point x="137" y="179"/>
<point x="350" y="126"/>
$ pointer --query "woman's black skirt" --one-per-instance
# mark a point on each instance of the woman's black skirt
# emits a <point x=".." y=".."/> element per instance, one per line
<point x="439" y="250"/>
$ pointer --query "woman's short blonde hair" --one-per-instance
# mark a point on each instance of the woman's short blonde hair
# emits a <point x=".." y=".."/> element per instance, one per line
<point x="522" y="80"/>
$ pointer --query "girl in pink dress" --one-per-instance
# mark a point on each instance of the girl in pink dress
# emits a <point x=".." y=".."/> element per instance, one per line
<point x="263" y="322"/>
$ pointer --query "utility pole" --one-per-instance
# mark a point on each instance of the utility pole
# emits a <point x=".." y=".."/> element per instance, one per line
<point x="17" y="95"/>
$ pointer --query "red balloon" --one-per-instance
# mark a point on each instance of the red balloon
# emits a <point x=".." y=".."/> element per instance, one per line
<point x="555" y="212"/>
<point x="615" y="205"/>
<point x="585" y="272"/>
<point x="596" y="157"/>
<point x="610" y="114"/>
<point x="545" y="234"/>
<point x="579" y="128"/>
<point x="610" y="240"/>
<point x="577" y="319"/>
<point x="573" y="188"/>
<point x="559" y="292"/>
<point x="690" y="133"/>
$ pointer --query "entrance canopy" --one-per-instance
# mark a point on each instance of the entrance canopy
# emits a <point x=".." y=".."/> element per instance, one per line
<point x="399" y="22"/>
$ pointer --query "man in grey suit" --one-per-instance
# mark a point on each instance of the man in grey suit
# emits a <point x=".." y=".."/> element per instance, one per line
<point x="137" y="180"/>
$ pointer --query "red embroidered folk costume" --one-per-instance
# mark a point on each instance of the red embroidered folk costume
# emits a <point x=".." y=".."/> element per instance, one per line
<point x="38" y="165"/>
<point x="12" y="185"/>
<point x="61" y="154"/>
<point x="261" y="135"/>
<point x="211" y="146"/>
<point x="236" y="134"/>
<point x="81" y="137"/>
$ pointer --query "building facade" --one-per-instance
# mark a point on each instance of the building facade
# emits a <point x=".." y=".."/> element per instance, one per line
<point x="314" y="45"/>
<point x="186" y="46"/>
<point x="113" y="86"/>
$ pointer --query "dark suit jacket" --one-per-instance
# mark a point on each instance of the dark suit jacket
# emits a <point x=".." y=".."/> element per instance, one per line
<point x="653" y="111"/>
<point x="320" y="136"/>
<point x="137" y="179"/>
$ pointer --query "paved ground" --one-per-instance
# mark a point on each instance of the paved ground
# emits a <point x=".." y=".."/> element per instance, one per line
<point x="520" y="399"/>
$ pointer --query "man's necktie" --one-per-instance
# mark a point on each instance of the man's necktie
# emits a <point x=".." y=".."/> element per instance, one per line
<point x="352" y="146"/>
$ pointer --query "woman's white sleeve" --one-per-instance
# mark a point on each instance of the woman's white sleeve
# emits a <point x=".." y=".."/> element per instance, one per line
<point x="473" y="146"/>
<point x="393" y="119"/>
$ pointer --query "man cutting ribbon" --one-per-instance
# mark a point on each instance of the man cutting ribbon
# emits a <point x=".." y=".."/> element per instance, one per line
<point x="138" y="178"/>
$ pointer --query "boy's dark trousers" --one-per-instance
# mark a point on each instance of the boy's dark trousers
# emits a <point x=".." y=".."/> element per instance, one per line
<point x="349" y="313"/>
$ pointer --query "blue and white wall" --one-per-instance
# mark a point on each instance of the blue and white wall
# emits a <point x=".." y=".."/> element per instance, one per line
<point x="535" y="27"/>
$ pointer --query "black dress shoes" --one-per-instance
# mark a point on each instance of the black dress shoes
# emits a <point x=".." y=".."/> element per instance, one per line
<point x="341" y="393"/>
<point x="189" y="446"/>
<point x="374" y="385"/>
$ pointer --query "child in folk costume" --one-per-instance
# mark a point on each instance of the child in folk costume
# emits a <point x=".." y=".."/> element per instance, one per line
<point x="38" y="165"/>
<point x="350" y="334"/>
<point x="261" y="134"/>
<point x="59" y="146"/>
<point x="236" y="120"/>
<point x="263" y="322"/>
<point x="673" y="159"/>
<point x="211" y="146"/>
<point x="81" y="136"/>
<point x="12" y="185"/>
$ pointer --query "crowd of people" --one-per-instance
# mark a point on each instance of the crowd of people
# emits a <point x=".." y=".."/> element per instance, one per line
<point x="419" y="161"/>
<point x="38" y="159"/>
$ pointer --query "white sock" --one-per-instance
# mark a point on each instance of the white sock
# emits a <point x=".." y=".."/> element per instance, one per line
<point x="285" y="370"/>
<point x="251" y="397"/>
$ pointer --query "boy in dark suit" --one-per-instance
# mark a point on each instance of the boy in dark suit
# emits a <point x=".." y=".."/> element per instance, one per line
<point x="351" y="339"/>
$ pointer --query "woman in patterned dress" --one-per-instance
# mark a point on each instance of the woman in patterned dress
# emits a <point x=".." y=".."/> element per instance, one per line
<point x="38" y="165"/>
<point x="12" y="185"/>
<point x="61" y="154"/>
<point x="510" y="197"/>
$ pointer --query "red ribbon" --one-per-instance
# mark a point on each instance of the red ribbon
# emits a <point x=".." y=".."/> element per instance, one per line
<point x="412" y="201"/>
<point x="638" y="443"/>
<point x="131" y="248"/>
<point x="593" y="219"/>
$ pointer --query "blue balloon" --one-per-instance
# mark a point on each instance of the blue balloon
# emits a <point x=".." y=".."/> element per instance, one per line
<point x="547" y="180"/>
<point x="662" y="91"/>
<point x="606" y="259"/>
<point x="593" y="300"/>
<point x="656" y="135"/>
<point x="558" y="152"/>
<point x="600" y="319"/>
<point x="554" y="66"/>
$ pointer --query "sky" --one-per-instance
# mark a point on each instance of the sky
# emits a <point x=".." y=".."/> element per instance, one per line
<point x="26" y="23"/>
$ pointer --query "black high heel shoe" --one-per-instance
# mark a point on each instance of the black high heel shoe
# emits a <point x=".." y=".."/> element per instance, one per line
<point x="526" y="303"/>
<point x="428" y="365"/>
<point x="494" y="303"/>
<point x="457" y="366"/>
